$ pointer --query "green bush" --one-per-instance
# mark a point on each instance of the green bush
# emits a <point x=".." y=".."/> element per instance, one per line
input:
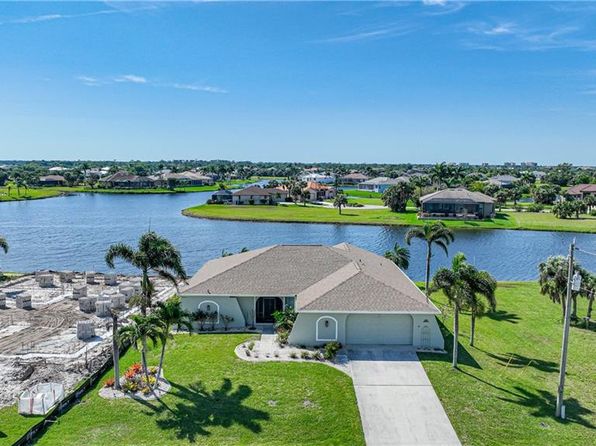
<point x="535" y="207"/>
<point x="282" y="337"/>
<point x="305" y="355"/>
<point x="331" y="349"/>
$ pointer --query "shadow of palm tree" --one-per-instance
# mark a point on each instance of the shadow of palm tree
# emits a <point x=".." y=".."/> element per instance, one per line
<point x="518" y="361"/>
<point x="197" y="409"/>
<point x="503" y="316"/>
<point x="464" y="356"/>
<point x="543" y="404"/>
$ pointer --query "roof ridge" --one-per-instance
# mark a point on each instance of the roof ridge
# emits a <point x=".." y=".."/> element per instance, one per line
<point x="328" y="283"/>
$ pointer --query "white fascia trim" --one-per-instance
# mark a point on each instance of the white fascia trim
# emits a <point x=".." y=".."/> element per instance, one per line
<point x="182" y="295"/>
<point x="369" y="312"/>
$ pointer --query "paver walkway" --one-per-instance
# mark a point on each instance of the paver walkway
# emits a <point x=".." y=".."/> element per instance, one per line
<point x="397" y="402"/>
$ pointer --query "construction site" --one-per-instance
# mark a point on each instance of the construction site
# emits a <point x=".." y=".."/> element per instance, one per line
<point x="56" y="327"/>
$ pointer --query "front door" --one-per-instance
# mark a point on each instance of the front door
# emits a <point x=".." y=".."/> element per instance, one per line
<point x="266" y="306"/>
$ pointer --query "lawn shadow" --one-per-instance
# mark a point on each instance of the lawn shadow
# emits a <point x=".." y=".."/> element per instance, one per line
<point x="196" y="409"/>
<point x="3" y="435"/>
<point x="543" y="404"/>
<point x="518" y="361"/>
<point x="503" y="316"/>
<point x="464" y="357"/>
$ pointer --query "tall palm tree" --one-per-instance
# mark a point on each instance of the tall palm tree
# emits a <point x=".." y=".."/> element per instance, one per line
<point x="460" y="284"/>
<point x="171" y="313"/>
<point x="477" y="308"/>
<point x="141" y="329"/>
<point x="400" y="255"/>
<point x="154" y="253"/>
<point x="115" y="348"/>
<point x="432" y="233"/>
<point x="340" y="201"/>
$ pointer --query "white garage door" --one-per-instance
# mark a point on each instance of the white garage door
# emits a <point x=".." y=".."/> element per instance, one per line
<point x="379" y="329"/>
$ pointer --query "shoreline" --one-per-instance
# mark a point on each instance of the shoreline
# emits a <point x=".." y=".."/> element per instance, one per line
<point x="452" y="224"/>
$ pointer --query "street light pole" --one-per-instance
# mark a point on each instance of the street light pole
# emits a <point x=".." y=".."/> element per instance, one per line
<point x="560" y="411"/>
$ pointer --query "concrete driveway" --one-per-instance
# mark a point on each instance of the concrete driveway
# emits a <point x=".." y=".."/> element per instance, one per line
<point x="397" y="402"/>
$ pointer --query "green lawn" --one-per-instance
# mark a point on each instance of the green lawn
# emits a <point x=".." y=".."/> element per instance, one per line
<point x="29" y="194"/>
<point x="218" y="399"/>
<point x="504" y="392"/>
<point x="318" y="214"/>
<point x="361" y="193"/>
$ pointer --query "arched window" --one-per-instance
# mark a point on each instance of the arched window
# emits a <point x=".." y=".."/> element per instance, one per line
<point x="209" y="306"/>
<point x="326" y="329"/>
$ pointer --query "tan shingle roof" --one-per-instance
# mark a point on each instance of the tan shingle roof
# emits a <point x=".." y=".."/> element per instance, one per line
<point x="459" y="195"/>
<point x="340" y="278"/>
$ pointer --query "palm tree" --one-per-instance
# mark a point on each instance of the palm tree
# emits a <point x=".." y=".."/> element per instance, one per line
<point x="115" y="348"/>
<point x="400" y="255"/>
<point x="136" y="334"/>
<point x="154" y="253"/>
<point x="397" y="196"/>
<point x="460" y="284"/>
<point x="439" y="173"/>
<point x="476" y="306"/>
<point x="432" y="233"/>
<point x="339" y="201"/>
<point x="171" y="313"/>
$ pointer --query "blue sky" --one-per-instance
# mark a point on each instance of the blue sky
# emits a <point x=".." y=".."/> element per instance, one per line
<point x="354" y="82"/>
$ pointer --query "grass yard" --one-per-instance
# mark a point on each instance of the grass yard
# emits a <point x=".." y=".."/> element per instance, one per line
<point x="318" y="214"/>
<point x="505" y="390"/>
<point x="30" y="194"/>
<point x="218" y="399"/>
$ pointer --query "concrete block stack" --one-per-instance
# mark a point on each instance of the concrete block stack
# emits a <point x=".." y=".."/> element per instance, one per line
<point x="85" y="330"/>
<point x="79" y="290"/>
<point x="90" y="277"/>
<point x="2" y="301"/>
<point x="87" y="304"/>
<point x="102" y="308"/>
<point x="110" y="280"/>
<point x="66" y="276"/>
<point x="23" y="301"/>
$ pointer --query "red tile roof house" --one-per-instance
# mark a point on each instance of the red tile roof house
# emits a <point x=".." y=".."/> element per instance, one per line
<point x="341" y="293"/>
<point x="581" y="191"/>
<point x="259" y="195"/>
<point x="353" y="178"/>
<point x="319" y="192"/>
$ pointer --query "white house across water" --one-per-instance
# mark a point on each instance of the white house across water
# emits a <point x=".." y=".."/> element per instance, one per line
<point x="341" y="293"/>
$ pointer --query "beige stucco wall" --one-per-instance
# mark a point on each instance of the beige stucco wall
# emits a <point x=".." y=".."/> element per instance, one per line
<point x="227" y="305"/>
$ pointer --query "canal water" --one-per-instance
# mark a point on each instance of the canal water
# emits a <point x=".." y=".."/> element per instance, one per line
<point x="74" y="232"/>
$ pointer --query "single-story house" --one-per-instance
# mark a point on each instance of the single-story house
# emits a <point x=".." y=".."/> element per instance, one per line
<point x="381" y="184"/>
<point x="222" y="196"/>
<point x="56" y="170"/>
<point x="318" y="178"/>
<point x="187" y="178"/>
<point x="126" y="180"/>
<point x="457" y="203"/>
<point x="581" y="191"/>
<point x="340" y="293"/>
<point x="505" y="181"/>
<point x="353" y="178"/>
<point x="52" y="180"/>
<point x="319" y="192"/>
<point x="259" y="195"/>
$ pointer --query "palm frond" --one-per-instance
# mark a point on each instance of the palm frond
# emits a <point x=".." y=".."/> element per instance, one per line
<point x="121" y="251"/>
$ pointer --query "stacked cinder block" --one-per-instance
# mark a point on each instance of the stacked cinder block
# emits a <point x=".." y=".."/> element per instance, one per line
<point x="85" y="329"/>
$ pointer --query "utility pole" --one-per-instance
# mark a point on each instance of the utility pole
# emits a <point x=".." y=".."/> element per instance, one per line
<point x="560" y="411"/>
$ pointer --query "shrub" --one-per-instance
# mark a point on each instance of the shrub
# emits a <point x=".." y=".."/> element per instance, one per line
<point x="282" y="337"/>
<point x="251" y="345"/>
<point x="251" y="201"/>
<point x="201" y="317"/>
<point x="247" y="352"/>
<point x="535" y="207"/>
<point x="331" y="349"/>
<point x="109" y="382"/>
<point x="135" y="368"/>
<point x="153" y="370"/>
<point x="293" y="355"/>
<point x="130" y="387"/>
<point x="151" y="382"/>
<point x="317" y="356"/>
<point x="518" y="208"/>
<point x="284" y="320"/>
<point x="226" y="321"/>
<point x="305" y="355"/>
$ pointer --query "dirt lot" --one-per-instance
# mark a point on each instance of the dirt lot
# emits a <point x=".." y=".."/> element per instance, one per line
<point x="40" y="344"/>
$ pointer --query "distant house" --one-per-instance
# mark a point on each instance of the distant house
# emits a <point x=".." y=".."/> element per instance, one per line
<point x="318" y="178"/>
<point x="259" y="195"/>
<point x="457" y="203"/>
<point x="581" y="191"/>
<point x="538" y="174"/>
<point x="52" y="180"/>
<point x="505" y="181"/>
<point x="353" y="178"/>
<point x="188" y="178"/>
<point x="319" y="192"/>
<point x="126" y="180"/>
<point x="381" y="184"/>
<point x="56" y="170"/>
<point x="222" y="196"/>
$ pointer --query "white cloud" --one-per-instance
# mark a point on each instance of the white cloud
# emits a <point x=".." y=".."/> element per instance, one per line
<point x="434" y="2"/>
<point x="371" y="34"/>
<point x="39" y="18"/>
<point x="92" y="81"/>
<point x="133" y="78"/>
